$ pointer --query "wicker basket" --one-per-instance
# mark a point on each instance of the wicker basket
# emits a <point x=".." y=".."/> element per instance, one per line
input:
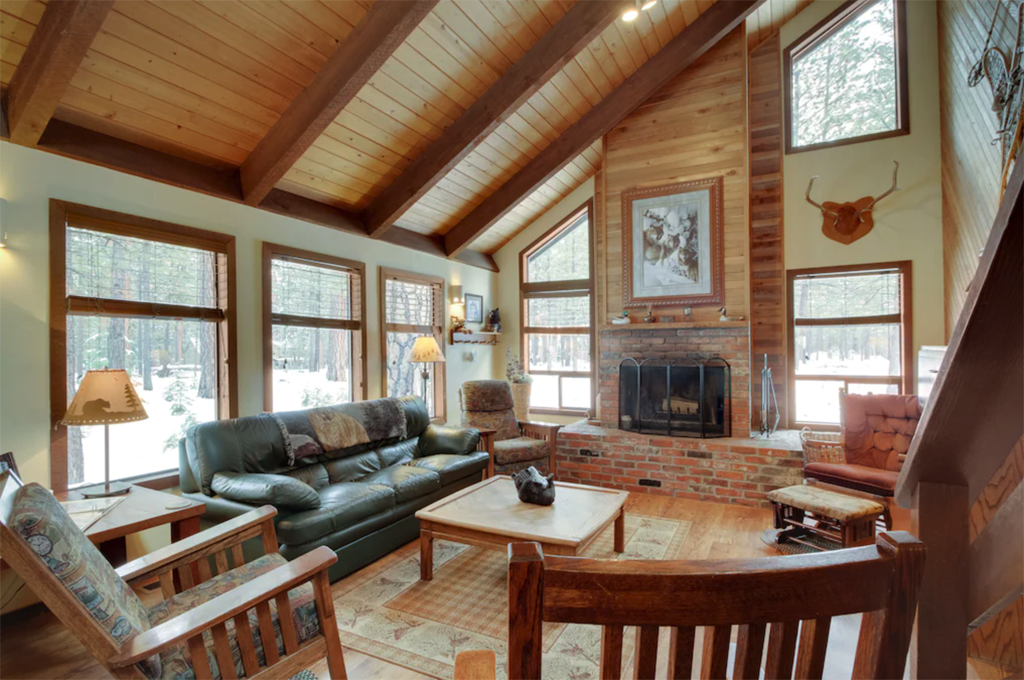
<point x="822" y="447"/>
<point x="521" y="400"/>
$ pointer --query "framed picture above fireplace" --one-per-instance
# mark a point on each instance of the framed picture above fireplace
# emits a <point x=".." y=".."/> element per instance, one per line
<point x="673" y="254"/>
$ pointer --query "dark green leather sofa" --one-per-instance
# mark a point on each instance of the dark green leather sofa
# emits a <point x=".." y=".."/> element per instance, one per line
<point x="359" y="501"/>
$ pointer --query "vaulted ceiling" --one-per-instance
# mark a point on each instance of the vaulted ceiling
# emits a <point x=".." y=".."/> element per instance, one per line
<point x="444" y="125"/>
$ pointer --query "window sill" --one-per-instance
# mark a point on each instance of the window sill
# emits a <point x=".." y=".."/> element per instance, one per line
<point x="582" y="413"/>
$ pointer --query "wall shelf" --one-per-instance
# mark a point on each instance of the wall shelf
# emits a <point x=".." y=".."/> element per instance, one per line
<point x="475" y="338"/>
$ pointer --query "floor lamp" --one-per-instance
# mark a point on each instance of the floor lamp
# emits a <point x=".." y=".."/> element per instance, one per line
<point x="105" y="397"/>
<point x="426" y="351"/>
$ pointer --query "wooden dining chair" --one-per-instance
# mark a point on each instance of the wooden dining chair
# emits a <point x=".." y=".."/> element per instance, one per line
<point x="789" y="600"/>
<point x="220" y="617"/>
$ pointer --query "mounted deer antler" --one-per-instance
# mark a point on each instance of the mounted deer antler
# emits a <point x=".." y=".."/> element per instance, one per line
<point x="850" y="221"/>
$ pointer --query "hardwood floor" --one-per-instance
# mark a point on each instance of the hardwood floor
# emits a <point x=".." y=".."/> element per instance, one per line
<point x="36" y="645"/>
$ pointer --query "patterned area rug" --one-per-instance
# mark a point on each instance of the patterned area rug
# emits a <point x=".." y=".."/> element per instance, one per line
<point x="387" y="612"/>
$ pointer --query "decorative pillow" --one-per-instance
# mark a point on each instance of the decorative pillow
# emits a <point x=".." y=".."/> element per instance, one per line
<point x="39" y="519"/>
<point x="280" y="491"/>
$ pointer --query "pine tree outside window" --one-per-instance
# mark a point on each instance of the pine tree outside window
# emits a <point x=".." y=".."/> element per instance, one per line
<point x="557" y="313"/>
<point x="846" y="78"/>
<point x="157" y="300"/>
<point x="313" y="329"/>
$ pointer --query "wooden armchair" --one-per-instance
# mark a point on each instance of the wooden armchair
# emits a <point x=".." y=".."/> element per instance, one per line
<point x="266" y="618"/>
<point x="786" y="599"/>
<point x="512" y="444"/>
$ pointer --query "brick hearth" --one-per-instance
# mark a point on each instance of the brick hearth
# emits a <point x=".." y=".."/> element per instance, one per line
<point x="733" y="470"/>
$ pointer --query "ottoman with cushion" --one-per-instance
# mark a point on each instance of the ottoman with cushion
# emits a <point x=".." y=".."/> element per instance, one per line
<point x="804" y="510"/>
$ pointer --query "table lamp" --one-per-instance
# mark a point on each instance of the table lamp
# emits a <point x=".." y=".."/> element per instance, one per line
<point x="426" y="351"/>
<point x="105" y="397"/>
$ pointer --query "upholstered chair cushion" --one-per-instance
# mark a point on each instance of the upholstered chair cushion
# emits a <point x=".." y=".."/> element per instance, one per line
<point x="520" y="449"/>
<point x="487" y="404"/>
<point x="176" y="664"/>
<point x="879" y="428"/>
<point x="860" y="477"/>
<point x="60" y="545"/>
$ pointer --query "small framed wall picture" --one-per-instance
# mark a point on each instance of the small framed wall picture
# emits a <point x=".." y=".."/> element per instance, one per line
<point x="474" y="308"/>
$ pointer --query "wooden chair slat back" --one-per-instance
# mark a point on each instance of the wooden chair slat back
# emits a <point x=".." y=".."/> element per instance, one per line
<point x="797" y="596"/>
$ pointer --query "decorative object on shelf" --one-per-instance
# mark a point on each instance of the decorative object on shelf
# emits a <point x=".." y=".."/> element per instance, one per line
<point x="459" y="325"/>
<point x="522" y="383"/>
<point x="847" y="222"/>
<point x="673" y="250"/>
<point x="726" y="317"/>
<point x="667" y="318"/>
<point x="687" y="313"/>
<point x="650" y="318"/>
<point x="474" y="308"/>
<point x="621" y="320"/>
<point x="769" y="404"/>
<point x="533" y="487"/>
<point x="493" y="321"/>
<point x="1006" y="78"/>
<point x="105" y="397"/>
<point x="426" y="351"/>
<point x="465" y="336"/>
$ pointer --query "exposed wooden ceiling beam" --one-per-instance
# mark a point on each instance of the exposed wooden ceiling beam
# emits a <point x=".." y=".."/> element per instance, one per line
<point x="975" y="412"/>
<point x="714" y="24"/>
<point x="384" y="27"/>
<point x="52" y="57"/>
<point x="72" y="141"/>
<point x="573" y="32"/>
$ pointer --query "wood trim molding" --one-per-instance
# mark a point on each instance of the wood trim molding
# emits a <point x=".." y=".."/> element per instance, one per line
<point x="380" y="32"/>
<point x="905" y="319"/>
<point x="526" y="76"/>
<point x="63" y="214"/>
<point x="437" y="329"/>
<point x="683" y="50"/>
<point x="357" y="324"/>
<point x="529" y="291"/>
<point x="822" y="31"/>
<point x="53" y="55"/>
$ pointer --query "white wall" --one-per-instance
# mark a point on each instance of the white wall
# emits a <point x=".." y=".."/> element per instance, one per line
<point x="508" y="278"/>
<point x="29" y="178"/>
<point x="908" y="224"/>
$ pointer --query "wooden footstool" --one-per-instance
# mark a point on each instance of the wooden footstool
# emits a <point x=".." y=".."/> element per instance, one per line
<point x="809" y="510"/>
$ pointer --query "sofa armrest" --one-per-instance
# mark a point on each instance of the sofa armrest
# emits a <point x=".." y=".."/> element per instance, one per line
<point x="442" y="439"/>
<point x="280" y="491"/>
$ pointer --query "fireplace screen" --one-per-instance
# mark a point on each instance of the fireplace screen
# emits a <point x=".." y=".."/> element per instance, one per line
<point x="687" y="398"/>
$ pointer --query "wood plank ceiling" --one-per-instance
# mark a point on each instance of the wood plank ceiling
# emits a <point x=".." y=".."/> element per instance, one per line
<point x="206" y="81"/>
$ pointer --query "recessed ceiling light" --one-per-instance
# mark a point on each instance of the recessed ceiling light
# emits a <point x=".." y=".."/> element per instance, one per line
<point x="630" y="15"/>
<point x="649" y="4"/>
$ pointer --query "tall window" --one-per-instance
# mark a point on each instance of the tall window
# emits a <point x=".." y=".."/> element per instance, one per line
<point x="850" y="328"/>
<point x="556" y="289"/>
<point x="412" y="305"/>
<point x="157" y="300"/>
<point x="313" y="329"/>
<point x="846" y="78"/>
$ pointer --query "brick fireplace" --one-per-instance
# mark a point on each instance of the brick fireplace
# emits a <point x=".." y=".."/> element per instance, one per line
<point x="737" y="469"/>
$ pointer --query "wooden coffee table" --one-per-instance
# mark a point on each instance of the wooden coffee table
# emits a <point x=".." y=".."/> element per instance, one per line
<point x="490" y="515"/>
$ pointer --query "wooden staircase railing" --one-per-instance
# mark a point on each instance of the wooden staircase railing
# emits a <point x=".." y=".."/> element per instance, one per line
<point x="971" y="422"/>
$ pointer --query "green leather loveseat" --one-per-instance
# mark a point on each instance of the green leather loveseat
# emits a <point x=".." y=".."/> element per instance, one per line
<point x="359" y="500"/>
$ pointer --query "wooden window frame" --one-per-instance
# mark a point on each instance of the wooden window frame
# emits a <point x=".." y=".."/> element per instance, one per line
<point x="821" y="32"/>
<point x="62" y="305"/>
<point x="905" y="318"/>
<point x="357" y="324"/>
<point x="569" y="288"/>
<point x="436" y="329"/>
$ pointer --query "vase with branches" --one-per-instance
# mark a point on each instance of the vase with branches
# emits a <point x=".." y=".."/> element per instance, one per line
<point x="521" y="381"/>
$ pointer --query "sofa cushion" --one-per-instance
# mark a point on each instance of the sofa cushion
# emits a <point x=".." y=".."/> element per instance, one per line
<point x="280" y="491"/>
<point x="408" y="482"/>
<point x="315" y="475"/>
<point x="443" y="439"/>
<point x="452" y="467"/>
<point x="341" y="505"/>
<point x="520" y="449"/>
<point x="250" y="444"/>
<point x="860" y="477"/>
<point x="396" y="454"/>
<point x="353" y="467"/>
